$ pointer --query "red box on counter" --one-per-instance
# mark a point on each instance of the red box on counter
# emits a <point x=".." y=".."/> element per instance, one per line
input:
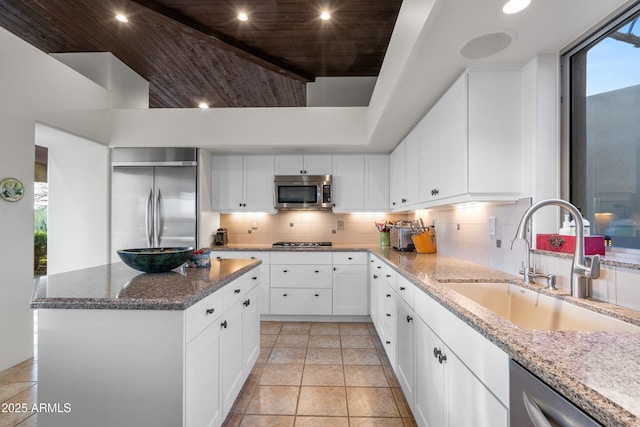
<point x="566" y="244"/>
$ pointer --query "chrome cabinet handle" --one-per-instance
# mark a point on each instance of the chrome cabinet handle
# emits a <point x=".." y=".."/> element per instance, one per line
<point x="157" y="217"/>
<point x="535" y="413"/>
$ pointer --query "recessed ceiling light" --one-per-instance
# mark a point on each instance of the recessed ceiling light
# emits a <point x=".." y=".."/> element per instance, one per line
<point x="515" y="6"/>
<point x="243" y="16"/>
<point x="120" y="17"/>
<point x="203" y="105"/>
<point x="325" y="16"/>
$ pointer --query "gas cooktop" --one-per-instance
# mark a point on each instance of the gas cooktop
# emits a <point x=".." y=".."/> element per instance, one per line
<point x="301" y="244"/>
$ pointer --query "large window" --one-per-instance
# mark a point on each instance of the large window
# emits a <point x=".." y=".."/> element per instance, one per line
<point x="602" y="118"/>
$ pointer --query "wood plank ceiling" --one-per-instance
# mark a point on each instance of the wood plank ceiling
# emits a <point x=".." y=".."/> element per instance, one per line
<point x="194" y="51"/>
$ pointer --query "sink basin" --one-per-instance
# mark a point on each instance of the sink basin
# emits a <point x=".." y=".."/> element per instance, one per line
<point x="532" y="310"/>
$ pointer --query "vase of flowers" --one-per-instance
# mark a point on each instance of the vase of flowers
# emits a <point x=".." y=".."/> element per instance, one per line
<point x="384" y="229"/>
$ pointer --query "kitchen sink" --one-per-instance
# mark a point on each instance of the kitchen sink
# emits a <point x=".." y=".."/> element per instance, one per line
<point x="532" y="310"/>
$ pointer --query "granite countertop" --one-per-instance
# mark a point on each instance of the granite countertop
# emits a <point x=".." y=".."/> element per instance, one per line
<point x="117" y="286"/>
<point x="597" y="371"/>
<point x="336" y="247"/>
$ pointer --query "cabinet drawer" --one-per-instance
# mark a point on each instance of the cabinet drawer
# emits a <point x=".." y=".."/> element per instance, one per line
<point x="406" y="291"/>
<point x="291" y="257"/>
<point x="203" y="313"/>
<point x="389" y="276"/>
<point x="301" y="276"/>
<point x="301" y="301"/>
<point x="265" y="256"/>
<point x="349" y="258"/>
<point x="237" y="289"/>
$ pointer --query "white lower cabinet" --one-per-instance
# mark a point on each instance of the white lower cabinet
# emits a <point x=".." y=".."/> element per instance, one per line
<point x="231" y="355"/>
<point x="202" y="377"/>
<point x="405" y="368"/>
<point x="350" y="286"/>
<point x="450" y="374"/>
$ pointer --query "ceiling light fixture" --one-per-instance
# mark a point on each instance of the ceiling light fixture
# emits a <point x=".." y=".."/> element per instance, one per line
<point x="243" y="16"/>
<point x="325" y="16"/>
<point x="122" y="18"/>
<point x="203" y="105"/>
<point x="515" y="6"/>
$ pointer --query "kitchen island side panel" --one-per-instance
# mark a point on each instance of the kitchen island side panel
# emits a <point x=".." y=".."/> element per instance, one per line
<point x="110" y="367"/>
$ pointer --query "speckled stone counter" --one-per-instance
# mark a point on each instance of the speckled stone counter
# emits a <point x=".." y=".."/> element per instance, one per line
<point x="597" y="371"/>
<point x="117" y="286"/>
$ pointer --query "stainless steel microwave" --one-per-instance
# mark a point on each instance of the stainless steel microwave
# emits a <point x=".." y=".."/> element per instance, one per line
<point x="303" y="192"/>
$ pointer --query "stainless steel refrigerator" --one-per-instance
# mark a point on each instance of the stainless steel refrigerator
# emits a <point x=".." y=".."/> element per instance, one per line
<point x="153" y="198"/>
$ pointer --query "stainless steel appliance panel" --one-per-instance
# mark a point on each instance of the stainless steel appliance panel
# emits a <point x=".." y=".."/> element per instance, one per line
<point x="175" y="206"/>
<point x="132" y="192"/>
<point x="535" y="404"/>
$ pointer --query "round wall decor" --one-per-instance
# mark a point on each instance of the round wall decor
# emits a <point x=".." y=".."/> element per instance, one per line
<point x="11" y="189"/>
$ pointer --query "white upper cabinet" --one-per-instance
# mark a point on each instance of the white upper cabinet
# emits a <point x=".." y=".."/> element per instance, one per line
<point x="361" y="182"/>
<point x="303" y="165"/>
<point x="467" y="147"/>
<point x="242" y="183"/>
<point x="348" y="183"/>
<point x="376" y="182"/>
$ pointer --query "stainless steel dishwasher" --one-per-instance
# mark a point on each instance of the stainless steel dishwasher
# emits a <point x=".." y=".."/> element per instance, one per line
<point x="535" y="404"/>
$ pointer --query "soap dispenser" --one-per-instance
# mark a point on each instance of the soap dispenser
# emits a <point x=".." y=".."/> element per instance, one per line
<point x="566" y="226"/>
<point x="586" y="226"/>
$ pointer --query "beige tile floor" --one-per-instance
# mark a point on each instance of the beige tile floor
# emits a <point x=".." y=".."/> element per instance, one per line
<point x="307" y="375"/>
<point x="320" y="374"/>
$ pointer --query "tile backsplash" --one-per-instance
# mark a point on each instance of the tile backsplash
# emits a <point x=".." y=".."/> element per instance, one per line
<point x="352" y="228"/>
<point x="461" y="231"/>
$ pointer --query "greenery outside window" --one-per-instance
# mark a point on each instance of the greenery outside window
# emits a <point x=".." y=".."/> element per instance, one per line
<point x="601" y="129"/>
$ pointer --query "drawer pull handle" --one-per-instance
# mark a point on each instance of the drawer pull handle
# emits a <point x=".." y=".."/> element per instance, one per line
<point x="317" y="295"/>
<point x="317" y="271"/>
<point x="236" y="291"/>
<point x="350" y="258"/>
<point x="253" y="257"/>
<point x="379" y="266"/>
<point x="210" y="310"/>
<point x="402" y="288"/>
<point x="388" y="314"/>
<point x="254" y="278"/>
<point x="224" y="324"/>
<point x="388" y="295"/>
<point x="285" y="271"/>
<point x="388" y="342"/>
<point x="284" y="295"/>
<point x="388" y="275"/>
<point x="247" y="303"/>
<point x="409" y="319"/>
<point x="375" y="277"/>
<point x="442" y="358"/>
<point x="436" y="352"/>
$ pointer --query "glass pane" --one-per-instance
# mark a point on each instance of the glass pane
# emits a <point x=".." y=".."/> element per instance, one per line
<point x="297" y="194"/>
<point x="605" y="82"/>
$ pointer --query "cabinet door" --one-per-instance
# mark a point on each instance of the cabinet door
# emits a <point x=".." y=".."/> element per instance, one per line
<point x="231" y="342"/>
<point x="429" y="378"/>
<point x="452" y="139"/>
<point x="467" y="401"/>
<point x="350" y="290"/>
<point x="390" y="325"/>
<point x="317" y="165"/>
<point x="288" y="165"/>
<point x="251" y="329"/>
<point x="227" y="183"/>
<point x="348" y="183"/>
<point x="258" y="183"/>
<point x="376" y="182"/>
<point x="412" y="167"/>
<point x="202" y="391"/>
<point x="429" y="155"/>
<point x="397" y="179"/>
<point x="406" y="355"/>
<point x="374" y="285"/>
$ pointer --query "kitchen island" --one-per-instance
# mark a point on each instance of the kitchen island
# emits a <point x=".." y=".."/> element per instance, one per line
<point x="120" y="347"/>
<point x="597" y="371"/>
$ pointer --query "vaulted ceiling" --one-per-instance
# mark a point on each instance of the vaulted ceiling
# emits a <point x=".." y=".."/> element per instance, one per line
<point x="194" y="51"/>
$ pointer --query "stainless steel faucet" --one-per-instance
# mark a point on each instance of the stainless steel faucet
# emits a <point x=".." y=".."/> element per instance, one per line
<point x="580" y="273"/>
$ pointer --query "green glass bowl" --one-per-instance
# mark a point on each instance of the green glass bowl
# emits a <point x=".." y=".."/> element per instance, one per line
<point x="155" y="260"/>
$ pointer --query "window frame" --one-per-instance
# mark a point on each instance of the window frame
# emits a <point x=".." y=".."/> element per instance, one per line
<point x="588" y="39"/>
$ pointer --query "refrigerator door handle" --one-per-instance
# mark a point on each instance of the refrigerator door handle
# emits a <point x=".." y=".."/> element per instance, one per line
<point x="157" y="217"/>
<point x="147" y="218"/>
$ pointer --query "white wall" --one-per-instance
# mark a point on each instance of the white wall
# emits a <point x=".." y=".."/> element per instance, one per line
<point x="30" y="83"/>
<point x="78" y="213"/>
